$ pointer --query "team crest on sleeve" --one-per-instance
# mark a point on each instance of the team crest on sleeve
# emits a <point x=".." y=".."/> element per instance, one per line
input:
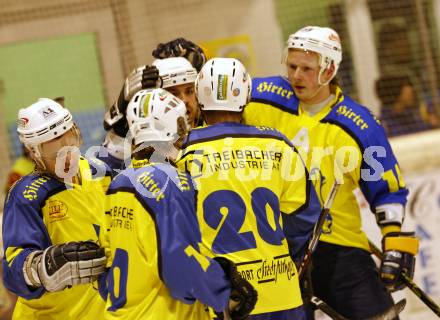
<point x="57" y="210"/>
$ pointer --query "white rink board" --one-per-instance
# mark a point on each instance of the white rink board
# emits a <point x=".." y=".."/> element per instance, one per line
<point x="423" y="216"/>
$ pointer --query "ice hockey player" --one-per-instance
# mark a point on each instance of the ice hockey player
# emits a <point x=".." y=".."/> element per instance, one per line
<point x="51" y="221"/>
<point x="153" y="229"/>
<point x="343" y="140"/>
<point x="246" y="178"/>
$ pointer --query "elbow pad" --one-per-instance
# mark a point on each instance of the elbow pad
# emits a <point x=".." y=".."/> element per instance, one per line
<point x="390" y="214"/>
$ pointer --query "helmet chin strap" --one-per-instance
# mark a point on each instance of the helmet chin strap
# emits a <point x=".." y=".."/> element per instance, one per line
<point x="40" y="164"/>
<point x="322" y="69"/>
<point x="36" y="156"/>
<point x="321" y="72"/>
<point x="321" y="84"/>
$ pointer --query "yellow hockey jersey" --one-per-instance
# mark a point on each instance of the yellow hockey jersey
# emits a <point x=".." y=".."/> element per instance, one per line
<point x="41" y="211"/>
<point x="152" y="239"/>
<point x="245" y="178"/>
<point x="343" y="141"/>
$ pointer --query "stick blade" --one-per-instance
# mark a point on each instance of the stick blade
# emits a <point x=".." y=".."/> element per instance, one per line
<point x="392" y="312"/>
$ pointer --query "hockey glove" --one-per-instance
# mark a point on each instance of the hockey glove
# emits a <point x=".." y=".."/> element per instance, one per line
<point x="243" y="295"/>
<point x="399" y="249"/>
<point x="144" y="77"/>
<point x="181" y="48"/>
<point x="65" y="265"/>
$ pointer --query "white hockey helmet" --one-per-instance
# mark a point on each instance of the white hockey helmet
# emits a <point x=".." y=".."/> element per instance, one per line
<point x="324" y="41"/>
<point x="175" y="71"/>
<point x="117" y="146"/>
<point x="43" y="121"/>
<point x="155" y="115"/>
<point x="223" y="84"/>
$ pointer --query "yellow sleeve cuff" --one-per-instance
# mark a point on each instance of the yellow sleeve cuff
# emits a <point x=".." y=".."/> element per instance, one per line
<point x="387" y="229"/>
<point x="402" y="244"/>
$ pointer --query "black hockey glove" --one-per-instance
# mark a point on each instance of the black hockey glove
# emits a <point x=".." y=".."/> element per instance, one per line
<point x="243" y="295"/>
<point x="65" y="265"/>
<point x="144" y="77"/>
<point x="181" y="47"/>
<point x="399" y="249"/>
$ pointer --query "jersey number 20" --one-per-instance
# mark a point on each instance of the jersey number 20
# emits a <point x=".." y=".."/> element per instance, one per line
<point x="229" y="203"/>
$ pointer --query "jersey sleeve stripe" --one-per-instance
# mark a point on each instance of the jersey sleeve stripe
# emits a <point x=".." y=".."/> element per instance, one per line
<point x="240" y="135"/>
<point x="51" y="193"/>
<point x="346" y="129"/>
<point x="275" y="105"/>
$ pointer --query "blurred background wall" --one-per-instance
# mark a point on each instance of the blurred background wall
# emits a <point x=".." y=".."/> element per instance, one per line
<point x="84" y="49"/>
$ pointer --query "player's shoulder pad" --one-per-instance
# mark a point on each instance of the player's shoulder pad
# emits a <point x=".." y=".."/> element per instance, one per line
<point x="125" y="180"/>
<point x="98" y="168"/>
<point x="231" y="130"/>
<point x="358" y="121"/>
<point x="276" y="91"/>
<point x="180" y="179"/>
<point x="274" y="134"/>
<point x="151" y="180"/>
<point x="35" y="188"/>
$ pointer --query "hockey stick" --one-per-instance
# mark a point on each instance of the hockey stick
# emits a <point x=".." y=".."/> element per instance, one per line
<point x="389" y="314"/>
<point x="410" y="284"/>
<point x="324" y="307"/>
<point x="392" y="312"/>
<point x="313" y="242"/>
<point x="317" y="230"/>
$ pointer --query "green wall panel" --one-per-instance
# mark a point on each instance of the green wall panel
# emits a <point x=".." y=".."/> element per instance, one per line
<point x="67" y="66"/>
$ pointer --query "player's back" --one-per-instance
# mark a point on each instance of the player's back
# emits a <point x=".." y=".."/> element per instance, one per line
<point x="147" y="208"/>
<point x="245" y="177"/>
